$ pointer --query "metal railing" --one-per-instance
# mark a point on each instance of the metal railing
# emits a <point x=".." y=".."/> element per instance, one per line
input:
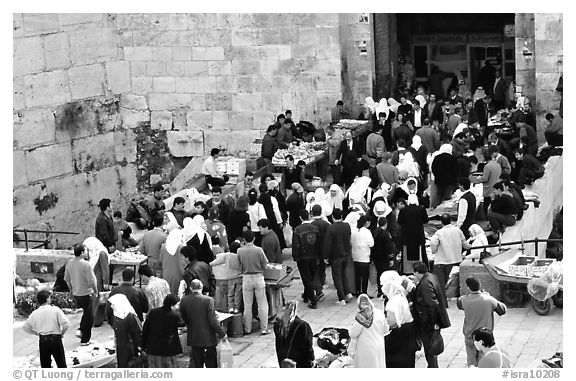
<point x="536" y="241"/>
<point x="43" y="243"/>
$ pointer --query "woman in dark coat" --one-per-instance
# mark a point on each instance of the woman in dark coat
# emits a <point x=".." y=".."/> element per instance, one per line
<point x="295" y="203"/>
<point x="294" y="338"/>
<point x="412" y="219"/>
<point x="196" y="236"/>
<point x="127" y="330"/>
<point x="160" y="337"/>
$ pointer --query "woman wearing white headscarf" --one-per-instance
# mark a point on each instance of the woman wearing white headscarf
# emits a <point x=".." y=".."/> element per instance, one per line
<point x="420" y="153"/>
<point x="127" y="330"/>
<point x="411" y="220"/>
<point x="334" y="200"/>
<point x="310" y="201"/>
<point x="367" y="334"/>
<point x="173" y="262"/>
<point x="477" y="238"/>
<point x="408" y="187"/>
<point x="100" y="263"/>
<point x="196" y="236"/>
<point x="294" y="338"/>
<point x="401" y="342"/>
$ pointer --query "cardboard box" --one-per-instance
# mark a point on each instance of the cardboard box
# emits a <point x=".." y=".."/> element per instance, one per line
<point x="274" y="271"/>
<point x="236" y="167"/>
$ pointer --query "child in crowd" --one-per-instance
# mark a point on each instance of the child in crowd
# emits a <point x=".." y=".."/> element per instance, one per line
<point x="124" y="230"/>
<point x="233" y="274"/>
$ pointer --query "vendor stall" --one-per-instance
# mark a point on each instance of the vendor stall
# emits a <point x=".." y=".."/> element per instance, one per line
<point x="129" y="258"/>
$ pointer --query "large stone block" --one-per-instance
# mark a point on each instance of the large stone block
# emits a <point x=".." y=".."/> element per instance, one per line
<point x="181" y="53"/>
<point x="105" y="184"/>
<point x="138" y="68"/>
<point x="156" y="101"/>
<point x="40" y="23"/>
<point x="125" y="145"/>
<point x="18" y="99"/>
<point x="94" y="152"/>
<point x="262" y="119"/>
<point x="79" y="18"/>
<point x="46" y="88"/>
<point x="246" y="102"/>
<point x="178" y="21"/>
<point x="175" y="69"/>
<point x="241" y="120"/>
<point x="132" y="118"/>
<point x="179" y="120"/>
<point x="161" y="120"/>
<point x="226" y="84"/>
<point x="245" y="67"/>
<point x="243" y="37"/>
<point x="182" y="180"/>
<point x="217" y="68"/>
<point x="138" y="53"/>
<point x="51" y="161"/>
<point x="222" y="37"/>
<point x="178" y="100"/>
<point x="17" y="25"/>
<point x="118" y="77"/>
<point x="87" y="81"/>
<point x="19" y="177"/>
<point x="156" y="69"/>
<point x="163" y="84"/>
<point x="187" y="85"/>
<point x="206" y="84"/>
<point x="23" y="205"/>
<point x="142" y="85"/>
<point x="185" y="143"/>
<point x="219" y="102"/>
<point x="227" y="20"/>
<point x="161" y="54"/>
<point x="220" y="120"/>
<point x="195" y="68"/>
<point x="230" y="140"/>
<point x="328" y="52"/>
<point x="199" y="120"/>
<point x="33" y="127"/>
<point x="128" y="181"/>
<point x="93" y="45"/>
<point x="196" y="21"/>
<point x="28" y="56"/>
<point x="57" y="51"/>
<point x="550" y="64"/>
<point x="270" y="102"/>
<point x="547" y="81"/>
<point x="213" y="53"/>
<point x="285" y="52"/>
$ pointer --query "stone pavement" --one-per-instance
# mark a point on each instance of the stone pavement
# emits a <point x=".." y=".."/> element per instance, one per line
<point x="525" y="335"/>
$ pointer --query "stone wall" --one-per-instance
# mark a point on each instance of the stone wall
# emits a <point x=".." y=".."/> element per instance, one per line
<point x="92" y="91"/>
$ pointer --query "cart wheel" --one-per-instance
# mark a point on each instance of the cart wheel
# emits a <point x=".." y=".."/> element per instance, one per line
<point x="558" y="299"/>
<point x="542" y="308"/>
<point x="511" y="297"/>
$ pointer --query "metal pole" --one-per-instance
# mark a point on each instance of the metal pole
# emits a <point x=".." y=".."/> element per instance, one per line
<point x="536" y="248"/>
<point x="26" y="238"/>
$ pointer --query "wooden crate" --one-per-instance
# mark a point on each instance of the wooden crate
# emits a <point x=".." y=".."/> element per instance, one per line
<point x="470" y="268"/>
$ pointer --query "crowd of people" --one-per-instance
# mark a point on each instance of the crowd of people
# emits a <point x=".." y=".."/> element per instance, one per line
<point x="418" y="153"/>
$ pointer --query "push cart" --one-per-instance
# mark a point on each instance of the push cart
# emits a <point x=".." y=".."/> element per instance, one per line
<point x="514" y="271"/>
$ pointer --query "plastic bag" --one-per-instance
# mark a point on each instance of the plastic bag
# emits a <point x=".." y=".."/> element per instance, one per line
<point x="287" y="231"/>
<point x="548" y="284"/>
<point x="225" y="354"/>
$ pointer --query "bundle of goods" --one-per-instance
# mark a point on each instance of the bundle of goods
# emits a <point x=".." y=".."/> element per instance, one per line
<point x="298" y="152"/>
<point x="334" y="340"/>
<point x="350" y="124"/>
<point x="92" y="356"/>
<point x="126" y="257"/>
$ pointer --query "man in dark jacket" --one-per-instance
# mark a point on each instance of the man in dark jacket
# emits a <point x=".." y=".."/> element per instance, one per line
<point x="466" y="207"/>
<point x="429" y="307"/>
<point x="502" y="209"/>
<point x="198" y="270"/>
<point x="270" y="242"/>
<point x="322" y="225"/>
<point x="433" y="110"/>
<point x="160" y="334"/>
<point x="349" y="155"/>
<point x="338" y="250"/>
<point x="198" y="313"/>
<point x="105" y="231"/>
<point x="269" y="147"/>
<point x="135" y="296"/>
<point x="383" y="251"/>
<point x="223" y="206"/>
<point x="306" y="253"/>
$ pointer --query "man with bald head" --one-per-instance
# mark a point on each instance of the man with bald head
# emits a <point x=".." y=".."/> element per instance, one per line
<point x="198" y="313"/>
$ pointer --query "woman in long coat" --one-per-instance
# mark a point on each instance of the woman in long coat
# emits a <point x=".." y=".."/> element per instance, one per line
<point x="173" y="262"/>
<point x="294" y="339"/>
<point x="367" y="333"/>
<point x="196" y="236"/>
<point x="127" y="330"/>
<point x="412" y="219"/>
<point x="98" y="259"/>
<point x="401" y="343"/>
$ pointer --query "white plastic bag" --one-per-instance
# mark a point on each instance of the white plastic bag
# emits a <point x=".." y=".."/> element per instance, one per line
<point x="287" y="231"/>
<point x="225" y="354"/>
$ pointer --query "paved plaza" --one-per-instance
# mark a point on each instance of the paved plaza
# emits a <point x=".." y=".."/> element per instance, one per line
<point x="525" y="335"/>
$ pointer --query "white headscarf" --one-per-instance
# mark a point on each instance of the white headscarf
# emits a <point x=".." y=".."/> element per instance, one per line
<point x="477" y="238"/>
<point x="383" y="208"/>
<point x="404" y="186"/>
<point x="334" y="202"/>
<point x="383" y="192"/>
<point x="172" y="223"/>
<point x="397" y="303"/>
<point x="421" y="100"/>
<point x="193" y="227"/>
<point x="352" y="220"/>
<point x="93" y="247"/>
<point x="412" y="199"/>
<point x="121" y="306"/>
<point x="446" y="148"/>
<point x="370" y="104"/>
<point x="310" y="201"/>
<point x="174" y="240"/>
<point x="416" y="142"/>
<point x="393" y="105"/>
<point x="358" y="189"/>
<point x="382" y="107"/>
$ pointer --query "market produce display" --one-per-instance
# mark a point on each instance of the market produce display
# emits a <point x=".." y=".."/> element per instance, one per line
<point x="92" y="356"/>
<point x="118" y="257"/>
<point x="350" y="124"/>
<point x="305" y="151"/>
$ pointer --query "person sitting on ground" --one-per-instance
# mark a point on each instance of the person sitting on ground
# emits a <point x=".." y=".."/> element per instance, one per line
<point x="477" y="238"/>
<point x="502" y="209"/>
<point x="124" y="230"/>
<point x="531" y="168"/>
<point x="210" y="171"/>
<point x="502" y="160"/>
<point x="554" y="131"/>
<point x="493" y="356"/>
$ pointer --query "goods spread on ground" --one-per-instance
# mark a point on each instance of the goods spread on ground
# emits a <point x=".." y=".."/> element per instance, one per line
<point x="91" y="356"/>
<point x="305" y="151"/>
